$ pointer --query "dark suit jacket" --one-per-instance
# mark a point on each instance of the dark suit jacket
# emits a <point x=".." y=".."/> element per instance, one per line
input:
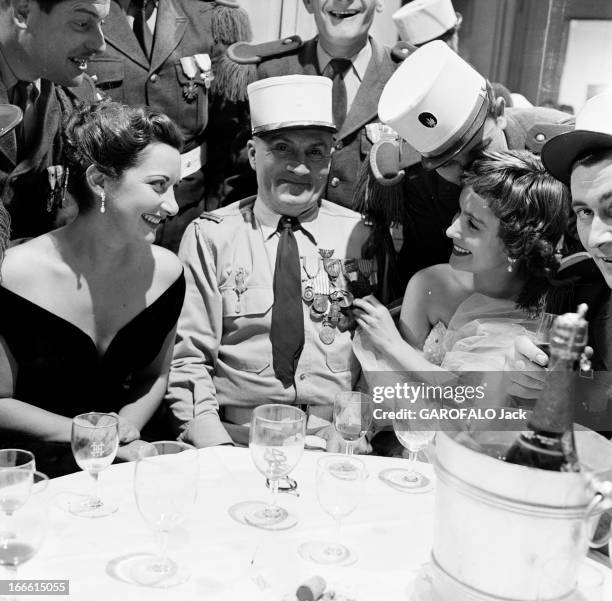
<point x="24" y="183"/>
<point x="351" y="144"/>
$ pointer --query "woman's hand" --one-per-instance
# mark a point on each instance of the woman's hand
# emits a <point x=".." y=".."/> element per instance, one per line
<point x="129" y="452"/>
<point x="377" y="326"/>
<point x="127" y="430"/>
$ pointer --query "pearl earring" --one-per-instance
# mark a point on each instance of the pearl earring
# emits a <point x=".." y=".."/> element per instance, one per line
<point x="102" y="201"/>
<point x="511" y="263"/>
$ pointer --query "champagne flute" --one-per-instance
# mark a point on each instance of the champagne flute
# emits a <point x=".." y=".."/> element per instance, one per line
<point x="352" y="417"/>
<point x="29" y="526"/>
<point x="94" y="440"/>
<point x="165" y="487"/>
<point x="414" y="433"/>
<point x="340" y="486"/>
<point x="276" y="440"/>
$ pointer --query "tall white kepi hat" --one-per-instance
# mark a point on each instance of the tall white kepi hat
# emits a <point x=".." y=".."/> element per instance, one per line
<point x="422" y="21"/>
<point x="593" y="132"/>
<point x="436" y="102"/>
<point x="290" y="102"/>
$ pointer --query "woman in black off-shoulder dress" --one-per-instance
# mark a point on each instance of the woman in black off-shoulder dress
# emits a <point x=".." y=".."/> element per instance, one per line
<point x="88" y="311"/>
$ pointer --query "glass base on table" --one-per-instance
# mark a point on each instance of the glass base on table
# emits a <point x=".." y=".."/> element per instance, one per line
<point x="406" y="480"/>
<point x="89" y="507"/>
<point x="327" y="553"/>
<point x="259" y="515"/>
<point x="147" y="569"/>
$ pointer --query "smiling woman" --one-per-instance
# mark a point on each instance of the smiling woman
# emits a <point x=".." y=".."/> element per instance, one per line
<point x="89" y="310"/>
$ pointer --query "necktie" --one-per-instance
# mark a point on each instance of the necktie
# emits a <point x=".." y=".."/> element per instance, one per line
<point x="25" y="98"/>
<point x="287" y="330"/>
<point x="336" y="70"/>
<point x="143" y="11"/>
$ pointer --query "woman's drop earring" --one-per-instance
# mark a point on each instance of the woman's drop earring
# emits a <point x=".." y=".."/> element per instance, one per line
<point x="511" y="263"/>
<point x="102" y="201"/>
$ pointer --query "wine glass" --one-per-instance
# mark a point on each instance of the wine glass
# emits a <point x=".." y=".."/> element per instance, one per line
<point x="340" y="486"/>
<point x="276" y="440"/>
<point x="352" y="417"/>
<point x="414" y="431"/>
<point x="16" y="476"/>
<point x="28" y="529"/>
<point x="165" y="486"/>
<point x="95" y="440"/>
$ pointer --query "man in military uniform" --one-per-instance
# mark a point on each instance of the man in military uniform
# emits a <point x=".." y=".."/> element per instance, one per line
<point x="269" y="280"/>
<point x="358" y="67"/>
<point x="444" y="137"/>
<point x="161" y="54"/>
<point x="44" y="49"/>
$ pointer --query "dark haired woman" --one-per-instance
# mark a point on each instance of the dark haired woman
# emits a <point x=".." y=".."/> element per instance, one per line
<point x="89" y="310"/>
<point x="465" y="314"/>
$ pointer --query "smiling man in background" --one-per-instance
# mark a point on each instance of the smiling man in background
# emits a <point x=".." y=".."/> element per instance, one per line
<point x="44" y="49"/>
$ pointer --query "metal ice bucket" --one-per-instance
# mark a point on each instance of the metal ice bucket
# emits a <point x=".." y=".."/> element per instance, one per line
<point x="497" y="523"/>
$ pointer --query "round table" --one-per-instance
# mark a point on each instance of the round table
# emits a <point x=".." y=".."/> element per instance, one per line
<point x="391" y="532"/>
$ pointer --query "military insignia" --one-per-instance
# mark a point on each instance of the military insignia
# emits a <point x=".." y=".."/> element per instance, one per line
<point x="320" y="303"/>
<point x="326" y="253"/>
<point x="239" y="286"/>
<point x="427" y="119"/>
<point x="308" y="294"/>
<point x="376" y="131"/>
<point x="350" y="269"/>
<point x="327" y="334"/>
<point x="205" y="65"/>
<point x="310" y="267"/>
<point x="190" y="69"/>
<point x="333" y="267"/>
<point x="347" y="299"/>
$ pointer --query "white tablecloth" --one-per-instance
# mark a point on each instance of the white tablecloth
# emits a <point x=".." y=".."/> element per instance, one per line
<point x="390" y="531"/>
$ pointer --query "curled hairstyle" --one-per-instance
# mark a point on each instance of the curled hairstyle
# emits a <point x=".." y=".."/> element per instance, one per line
<point x="533" y="211"/>
<point x="112" y="137"/>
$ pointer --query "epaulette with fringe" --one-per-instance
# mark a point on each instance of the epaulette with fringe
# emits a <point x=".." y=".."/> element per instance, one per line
<point x="252" y="54"/>
<point x="230" y="24"/>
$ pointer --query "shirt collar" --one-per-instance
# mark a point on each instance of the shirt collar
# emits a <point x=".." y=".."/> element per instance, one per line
<point x="360" y="60"/>
<point x="268" y="219"/>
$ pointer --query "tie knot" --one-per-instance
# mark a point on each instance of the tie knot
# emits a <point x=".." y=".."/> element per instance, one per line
<point x="338" y="66"/>
<point x="288" y="223"/>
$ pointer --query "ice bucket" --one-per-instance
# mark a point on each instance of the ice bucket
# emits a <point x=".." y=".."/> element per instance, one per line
<point x="497" y="523"/>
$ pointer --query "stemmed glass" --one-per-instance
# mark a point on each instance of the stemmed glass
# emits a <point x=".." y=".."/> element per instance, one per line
<point x="276" y="440"/>
<point x="95" y="440"/>
<point x="340" y="486"/>
<point x="28" y="528"/>
<point x="414" y="433"/>
<point x="16" y="469"/>
<point x="352" y="417"/>
<point x="166" y="487"/>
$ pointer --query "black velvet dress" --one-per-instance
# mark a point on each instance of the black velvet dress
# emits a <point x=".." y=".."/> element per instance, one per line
<point x="59" y="368"/>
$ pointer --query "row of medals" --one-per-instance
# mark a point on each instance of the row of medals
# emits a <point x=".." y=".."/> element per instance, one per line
<point x="329" y="290"/>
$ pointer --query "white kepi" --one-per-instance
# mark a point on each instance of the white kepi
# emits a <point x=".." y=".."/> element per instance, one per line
<point x="421" y="21"/>
<point x="435" y="101"/>
<point x="289" y="102"/>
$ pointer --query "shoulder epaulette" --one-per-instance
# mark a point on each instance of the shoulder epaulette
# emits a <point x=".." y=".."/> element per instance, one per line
<point x="244" y="53"/>
<point x="211" y="217"/>
<point x="540" y="133"/>
<point x="402" y="50"/>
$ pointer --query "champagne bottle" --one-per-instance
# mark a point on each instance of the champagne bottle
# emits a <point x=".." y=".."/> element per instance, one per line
<point x="549" y="444"/>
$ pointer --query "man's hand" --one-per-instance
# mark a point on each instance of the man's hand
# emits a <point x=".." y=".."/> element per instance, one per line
<point x="336" y="444"/>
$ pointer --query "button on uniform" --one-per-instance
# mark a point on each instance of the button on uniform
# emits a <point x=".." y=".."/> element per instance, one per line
<point x="154" y="77"/>
<point x="339" y="145"/>
<point x="334" y="182"/>
<point x="302" y="377"/>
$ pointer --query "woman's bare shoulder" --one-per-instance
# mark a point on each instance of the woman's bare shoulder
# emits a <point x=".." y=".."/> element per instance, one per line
<point x="168" y="266"/>
<point x="26" y="264"/>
